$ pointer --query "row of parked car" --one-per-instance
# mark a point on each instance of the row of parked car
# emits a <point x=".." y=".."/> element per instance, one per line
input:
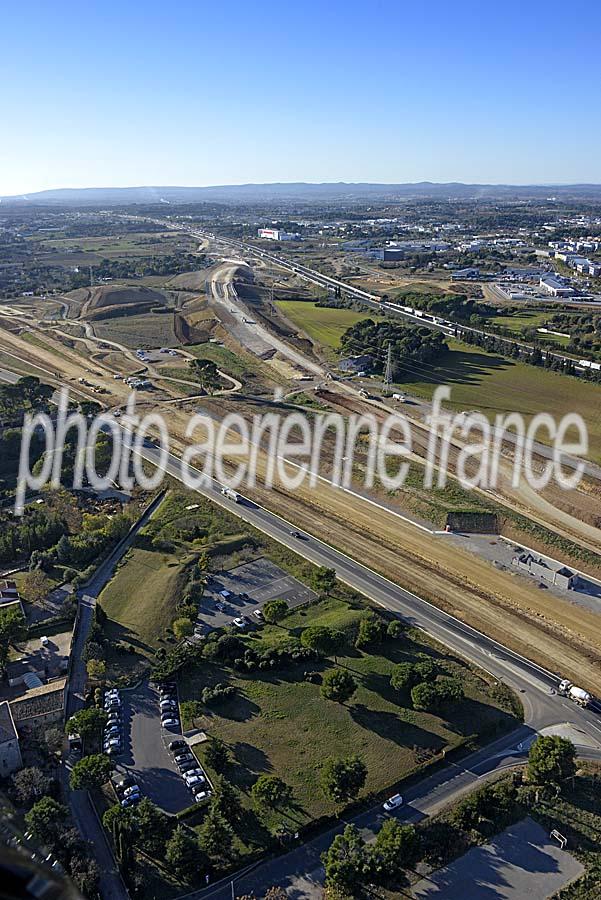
<point x="192" y="773"/>
<point x="113" y="730"/>
<point x="127" y="789"/>
<point x="168" y="705"/>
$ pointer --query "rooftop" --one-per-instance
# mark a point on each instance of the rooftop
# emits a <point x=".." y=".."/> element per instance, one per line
<point x="8" y="731"/>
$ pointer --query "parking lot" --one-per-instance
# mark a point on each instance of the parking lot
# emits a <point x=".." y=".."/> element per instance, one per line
<point x="261" y="580"/>
<point x="520" y="862"/>
<point x="145" y="752"/>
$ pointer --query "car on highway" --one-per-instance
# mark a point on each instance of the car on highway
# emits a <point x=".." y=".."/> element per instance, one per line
<point x="393" y="802"/>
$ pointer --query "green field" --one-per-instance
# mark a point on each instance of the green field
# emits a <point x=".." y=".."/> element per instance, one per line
<point x="279" y="723"/>
<point x="323" y="324"/>
<point x="493" y="384"/>
<point x="518" y="323"/>
<point x="140" y="600"/>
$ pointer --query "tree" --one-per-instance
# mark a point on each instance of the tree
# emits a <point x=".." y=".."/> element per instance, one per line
<point x="431" y="697"/>
<point x="207" y="373"/>
<point x="323" y="640"/>
<point x="403" y="676"/>
<point x="87" y="722"/>
<point x="324" y="580"/>
<point x="551" y="760"/>
<point x="96" y="669"/>
<point x="47" y="819"/>
<point x="36" y="586"/>
<point x="395" y="849"/>
<point x="275" y="893"/>
<point x="226" y="801"/>
<point x="31" y="784"/>
<point x="274" y="611"/>
<point x="338" y="685"/>
<point x="395" y="629"/>
<point x="371" y="631"/>
<point x="343" y="778"/>
<point x="181" y="853"/>
<point x="182" y="627"/>
<point x="347" y="862"/>
<point x="153" y="826"/>
<point x="54" y="739"/>
<point x="269" y="790"/>
<point x="216" y="836"/>
<point x="13" y="629"/>
<point x="217" y="755"/>
<point x="91" y="772"/>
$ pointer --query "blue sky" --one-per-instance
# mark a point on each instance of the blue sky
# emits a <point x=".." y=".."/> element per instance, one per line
<point x="115" y="94"/>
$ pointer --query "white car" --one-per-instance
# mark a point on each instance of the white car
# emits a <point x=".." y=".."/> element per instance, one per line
<point x="239" y="622"/>
<point x="169" y="722"/>
<point x="393" y="802"/>
<point x="191" y="780"/>
<point x="201" y="796"/>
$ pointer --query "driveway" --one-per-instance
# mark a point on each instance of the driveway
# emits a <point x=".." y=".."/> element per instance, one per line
<point x="145" y="751"/>
<point x="261" y="579"/>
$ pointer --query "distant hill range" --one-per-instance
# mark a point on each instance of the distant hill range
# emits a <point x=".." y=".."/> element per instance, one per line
<point x="301" y="191"/>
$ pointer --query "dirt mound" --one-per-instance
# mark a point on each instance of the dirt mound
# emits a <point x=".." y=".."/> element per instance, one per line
<point x="112" y="295"/>
<point x="189" y="281"/>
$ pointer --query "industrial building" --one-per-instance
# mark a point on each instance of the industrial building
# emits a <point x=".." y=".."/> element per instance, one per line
<point x="274" y="234"/>
<point x="463" y="274"/>
<point x="552" y="285"/>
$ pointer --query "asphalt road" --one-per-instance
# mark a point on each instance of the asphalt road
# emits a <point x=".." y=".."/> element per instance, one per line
<point x="111" y="883"/>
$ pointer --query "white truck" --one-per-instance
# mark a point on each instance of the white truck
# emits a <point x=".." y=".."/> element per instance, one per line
<point x="230" y="494"/>
<point x="576" y="694"/>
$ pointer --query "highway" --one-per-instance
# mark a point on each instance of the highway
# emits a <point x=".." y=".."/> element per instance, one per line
<point x="537" y="686"/>
<point x="300" y="870"/>
<point x="447" y="326"/>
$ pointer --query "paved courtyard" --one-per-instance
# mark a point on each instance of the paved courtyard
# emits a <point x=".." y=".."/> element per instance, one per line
<point x="522" y="862"/>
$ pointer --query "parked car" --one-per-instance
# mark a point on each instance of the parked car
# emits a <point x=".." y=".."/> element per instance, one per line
<point x="201" y="796"/>
<point x="393" y="802"/>
<point x="239" y="622"/>
<point x="178" y="745"/>
<point x="187" y="765"/>
<point x="192" y="780"/>
<point x="258" y="614"/>
<point x="122" y="782"/>
<point x="182" y="755"/>
<point x="170" y="722"/>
